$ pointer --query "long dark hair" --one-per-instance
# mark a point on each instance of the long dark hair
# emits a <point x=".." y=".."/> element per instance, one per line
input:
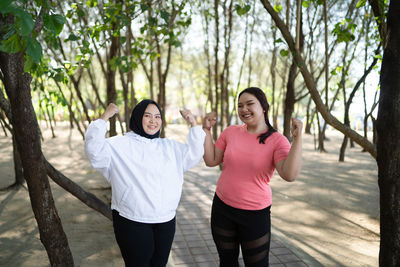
<point x="259" y="94"/>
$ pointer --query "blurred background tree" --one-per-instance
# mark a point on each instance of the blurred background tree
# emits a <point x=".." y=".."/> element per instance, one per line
<point x="65" y="61"/>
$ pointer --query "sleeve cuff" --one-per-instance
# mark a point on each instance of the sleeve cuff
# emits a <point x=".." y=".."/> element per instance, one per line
<point x="198" y="131"/>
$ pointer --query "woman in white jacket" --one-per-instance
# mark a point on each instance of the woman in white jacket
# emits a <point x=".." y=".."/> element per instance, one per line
<point x="146" y="177"/>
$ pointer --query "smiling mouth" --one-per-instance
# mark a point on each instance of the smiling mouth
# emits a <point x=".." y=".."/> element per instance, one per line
<point x="247" y="116"/>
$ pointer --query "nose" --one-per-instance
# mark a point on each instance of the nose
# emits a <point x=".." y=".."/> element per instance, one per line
<point x="244" y="108"/>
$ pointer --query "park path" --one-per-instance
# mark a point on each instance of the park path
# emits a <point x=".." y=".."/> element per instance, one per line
<point x="328" y="217"/>
<point x="193" y="244"/>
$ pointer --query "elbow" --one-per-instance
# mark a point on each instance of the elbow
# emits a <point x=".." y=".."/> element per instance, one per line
<point x="291" y="177"/>
<point x="210" y="163"/>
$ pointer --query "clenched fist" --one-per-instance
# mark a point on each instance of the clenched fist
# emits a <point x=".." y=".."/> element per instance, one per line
<point x="297" y="128"/>
<point x="111" y="110"/>
<point x="188" y="117"/>
<point x="209" y="120"/>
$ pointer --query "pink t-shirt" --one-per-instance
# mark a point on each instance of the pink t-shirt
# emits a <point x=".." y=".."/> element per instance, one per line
<point x="248" y="167"/>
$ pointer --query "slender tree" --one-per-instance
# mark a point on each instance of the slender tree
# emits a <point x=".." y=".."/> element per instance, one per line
<point x="388" y="145"/>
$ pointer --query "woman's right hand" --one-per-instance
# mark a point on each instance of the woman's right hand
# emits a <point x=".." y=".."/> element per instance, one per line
<point x="209" y="120"/>
<point x="111" y="110"/>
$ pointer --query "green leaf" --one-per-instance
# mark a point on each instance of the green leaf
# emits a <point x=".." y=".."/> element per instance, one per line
<point x="277" y="8"/>
<point x="28" y="64"/>
<point x="11" y="45"/>
<point x="4" y="4"/>
<point x="73" y="37"/>
<point x="284" y="52"/>
<point x="91" y="3"/>
<point x="144" y="7"/>
<point x="54" y="23"/>
<point x="34" y="50"/>
<point x="361" y="3"/>
<point x="165" y="16"/>
<point x="24" y="22"/>
<point x="86" y="43"/>
<point x="306" y="4"/>
<point x="60" y="77"/>
<point x="59" y="22"/>
<point x="279" y="41"/>
<point x="80" y="13"/>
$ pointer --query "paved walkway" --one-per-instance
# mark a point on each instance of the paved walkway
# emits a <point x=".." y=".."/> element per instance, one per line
<point x="193" y="244"/>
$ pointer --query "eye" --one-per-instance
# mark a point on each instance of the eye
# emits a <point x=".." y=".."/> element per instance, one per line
<point x="158" y="117"/>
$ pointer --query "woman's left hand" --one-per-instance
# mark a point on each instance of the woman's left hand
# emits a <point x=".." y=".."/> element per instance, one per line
<point x="188" y="117"/>
<point x="297" y="128"/>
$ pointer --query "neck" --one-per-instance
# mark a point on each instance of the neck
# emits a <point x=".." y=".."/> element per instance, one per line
<point x="257" y="128"/>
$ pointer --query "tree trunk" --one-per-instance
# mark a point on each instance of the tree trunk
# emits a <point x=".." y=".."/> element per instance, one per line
<point x="161" y="99"/>
<point x="289" y="100"/>
<point x="210" y="98"/>
<point x="95" y="88"/>
<point x="3" y="126"/>
<point x="309" y="118"/>
<point x="224" y="81"/>
<point x="72" y="118"/>
<point x="216" y="66"/>
<point x="321" y="136"/>
<point x="75" y="83"/>
<point x="111" y="91"/>
<point x="26" y="129"/>
<point x="18" y="169"/>
<point x="273" y="77"/>
<point x="388" y="146"/>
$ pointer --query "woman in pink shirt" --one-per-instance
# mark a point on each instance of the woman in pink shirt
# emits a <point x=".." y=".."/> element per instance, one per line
<point x="250" y="153"/>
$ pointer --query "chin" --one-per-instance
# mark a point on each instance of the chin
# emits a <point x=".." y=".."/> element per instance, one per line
<point x="152" y="132"/>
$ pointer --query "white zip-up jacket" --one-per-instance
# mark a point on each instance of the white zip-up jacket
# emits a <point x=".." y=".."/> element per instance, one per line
<point x="146" y="175"/>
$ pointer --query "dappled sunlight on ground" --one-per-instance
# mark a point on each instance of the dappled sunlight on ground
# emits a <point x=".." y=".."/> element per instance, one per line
<point x="332" y="209"/>
<point x="331" y="212"/>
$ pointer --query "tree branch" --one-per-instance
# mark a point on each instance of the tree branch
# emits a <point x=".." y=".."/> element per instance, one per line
<point x="309" y="80"/>
<point x="88" y="198"/>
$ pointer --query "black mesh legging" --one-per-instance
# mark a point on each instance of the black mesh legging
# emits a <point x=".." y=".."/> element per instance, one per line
<point x="251" y="229"/>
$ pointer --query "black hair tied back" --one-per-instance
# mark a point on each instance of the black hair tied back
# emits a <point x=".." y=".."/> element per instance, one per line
<point x="259" y="94"/>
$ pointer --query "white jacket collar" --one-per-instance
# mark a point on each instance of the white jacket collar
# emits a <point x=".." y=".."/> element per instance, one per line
<point x="139" y="137"/>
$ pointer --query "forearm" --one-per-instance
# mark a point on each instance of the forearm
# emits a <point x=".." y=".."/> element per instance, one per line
<point x="209" y="150"/>
<point x="292" y="164"/>
<point x="104" y="117"/>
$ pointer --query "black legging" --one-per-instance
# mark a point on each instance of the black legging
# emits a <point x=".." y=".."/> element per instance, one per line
<point x="143" y="244"/>
<point x="251" y="229"/>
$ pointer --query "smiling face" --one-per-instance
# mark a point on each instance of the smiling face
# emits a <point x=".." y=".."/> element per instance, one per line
<point x="151" y="121"/>
<point x="250" y="110"/>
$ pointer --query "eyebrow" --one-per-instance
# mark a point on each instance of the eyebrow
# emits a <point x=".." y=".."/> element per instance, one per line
<point x="248" y="101"/>
<point x="151" y="113"/>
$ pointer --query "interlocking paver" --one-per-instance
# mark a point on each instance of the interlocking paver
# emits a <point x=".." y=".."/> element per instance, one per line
<point x="288" y="258"/>
<point x="296" y="264"/>
<point x="193" y="244"/>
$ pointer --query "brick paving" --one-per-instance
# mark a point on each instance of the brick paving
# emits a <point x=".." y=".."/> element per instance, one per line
<point x="193" y="244"/>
